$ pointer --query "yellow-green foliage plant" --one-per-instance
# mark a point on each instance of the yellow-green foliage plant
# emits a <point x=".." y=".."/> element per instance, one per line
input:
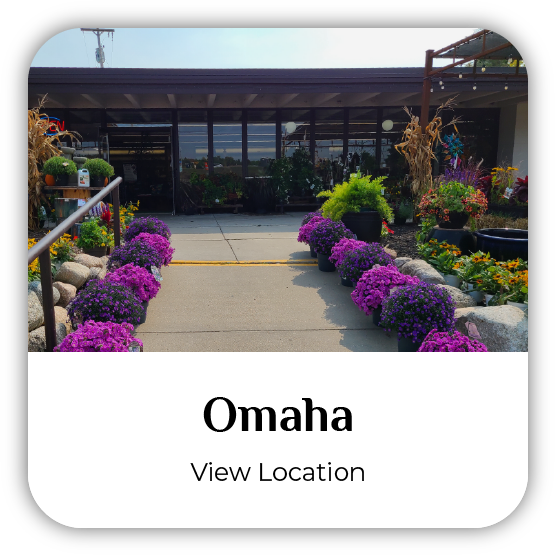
<point x="352" y="196"/>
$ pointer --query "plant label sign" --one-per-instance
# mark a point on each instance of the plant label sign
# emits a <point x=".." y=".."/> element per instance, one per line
<point x="156" y="273"/>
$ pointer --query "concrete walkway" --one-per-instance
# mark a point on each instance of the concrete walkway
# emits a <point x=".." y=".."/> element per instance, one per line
<point x="220" y="295"/>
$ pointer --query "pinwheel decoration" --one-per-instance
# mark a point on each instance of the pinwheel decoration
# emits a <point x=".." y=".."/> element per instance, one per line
<point x="453" y="148"/>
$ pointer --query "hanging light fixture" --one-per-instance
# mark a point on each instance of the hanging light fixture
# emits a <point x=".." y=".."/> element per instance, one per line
<point x="474" y="86"/>
<point x="440" y="82"/>
<point x="505" y="86"/>
<point x="510" y="59"/>
<point x="483" y="69"/>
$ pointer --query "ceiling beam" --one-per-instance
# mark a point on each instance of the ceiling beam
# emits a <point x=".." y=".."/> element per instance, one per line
<point x="322" y="98"/>
<point x="248" y="100"/>
<point x="491" y="98"/>
<point x="134" y="100"/>
<point x="285" y="99"/>
<point x="387" y="99"/>
<point x="172" y="101"/>
<point x="358" y="98"/>
<point x="210" y="100"/>
<point x="93" y="99"/>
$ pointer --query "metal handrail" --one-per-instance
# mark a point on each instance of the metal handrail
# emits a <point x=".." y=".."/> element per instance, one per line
<point x="42" y="251"/>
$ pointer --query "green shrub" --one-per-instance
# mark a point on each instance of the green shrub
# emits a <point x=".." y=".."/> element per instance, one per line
<point x="98" y="167"/>
<point x="92" y="235"/>
<point x="59" y="166"/>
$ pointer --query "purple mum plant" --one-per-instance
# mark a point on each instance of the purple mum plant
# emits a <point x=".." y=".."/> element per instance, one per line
<point x="104" y="301"/>
<point x="343" y="247"/>
<point x="450" y="341"/>
<point x="158" y="242"/>
<point x="139" y="280"/>
<point x="137" y="253"/>
<point x="147" y="225"/>
<point x="99" y="336"/>
<point x="308" y="217"/>
<point x="375" y="285"/>
<point x="326" y="234"/>
<point x="417" y="309"/>
<point x="306" y="229"/>
<point x="359" y="260"/>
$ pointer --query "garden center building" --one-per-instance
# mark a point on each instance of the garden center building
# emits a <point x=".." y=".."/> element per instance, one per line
<point x="157" y="126"/>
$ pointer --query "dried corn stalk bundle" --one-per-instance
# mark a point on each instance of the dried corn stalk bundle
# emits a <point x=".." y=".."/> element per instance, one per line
<point x="418" y="147"/>
<point x="41" y="147"/>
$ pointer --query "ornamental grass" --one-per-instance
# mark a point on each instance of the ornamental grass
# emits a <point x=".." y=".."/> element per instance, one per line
<point x="148" y="225"/>
<point x="104" y="301"/>
<point x="375" y="286"/>
<point x="159" y="243"/>
<point x="414" y="310"/>
<point x="450" y="341"/>
<point x="99" y="337"/>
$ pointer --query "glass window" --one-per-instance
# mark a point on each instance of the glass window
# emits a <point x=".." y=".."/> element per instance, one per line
<point x="261" y="141"/>
<point x="227" y="141"/>
<point x="193" y="139"/>
<point x="329" y="144"/>
<point x="295" y="131"/>
<point x="362" y="140"/>
<point x="394" y="121"/>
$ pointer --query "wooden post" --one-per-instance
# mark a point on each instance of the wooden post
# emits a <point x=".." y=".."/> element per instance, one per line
<point x="426" y="94"/>
<point x="47" y="300"/>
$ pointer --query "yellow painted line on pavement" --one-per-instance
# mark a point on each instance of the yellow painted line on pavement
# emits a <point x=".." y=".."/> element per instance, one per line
<point x="278" y="262"/>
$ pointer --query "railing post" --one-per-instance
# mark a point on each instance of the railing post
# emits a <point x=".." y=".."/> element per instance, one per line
<point x="116" y="223"/>
<point x="47" y="300"/>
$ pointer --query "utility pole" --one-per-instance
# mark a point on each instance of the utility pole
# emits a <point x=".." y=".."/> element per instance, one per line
<point x="99" y="51"/>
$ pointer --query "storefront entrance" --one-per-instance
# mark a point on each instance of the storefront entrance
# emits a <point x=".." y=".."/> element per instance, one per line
<point x="142" y="155"/>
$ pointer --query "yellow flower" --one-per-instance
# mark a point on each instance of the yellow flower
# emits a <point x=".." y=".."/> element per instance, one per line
<point x="103" y="244"/>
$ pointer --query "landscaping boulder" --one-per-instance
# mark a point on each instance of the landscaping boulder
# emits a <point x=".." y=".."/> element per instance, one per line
<point x="460" y="299"/>
<point x="105" y="260"/>
<point x="502" y="328"/>
<point x="97" y="273"/>
<point x="61" y="316"/>
<point x="72" y="273"/>
<point x="37" y="338"/>
<point x="89" y="261"/>
<point x="36" y="287"/>
<point x="400" y="261"/>
<point x="390" y="252"/>
<point x="67" y="293"/>
<point x="35" y="316"/>
<point x="423" y="270"/>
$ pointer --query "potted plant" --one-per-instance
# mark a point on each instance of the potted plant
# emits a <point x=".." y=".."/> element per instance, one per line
<point x="141" y="282"/>
<point x="375" y="286"/>
<point x="323" y="237"/>
<point x="60" y="169"/>
<point x="453" y="341"/>
<point x="356" y="261"/>
<point x="99" y="336"/>
<point x="360" y="205"/>
<point x="103" y="301"/>
<point x="452" y="204"/>
<point x="442" y="256"/>
<point x="341" y="249"/>
<point x="414" y="310"/>
<point x="149" y="225"/>
<point x="94" y="239"/>
<point x="135" y="252"/>
<point x="307" y="225"/>
<point x="402" y="211"/>
<point x="99" y="170"/>
<point x="159" y="243"/>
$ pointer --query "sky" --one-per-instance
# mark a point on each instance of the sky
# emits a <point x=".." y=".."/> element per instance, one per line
<point x="248" y="48"/>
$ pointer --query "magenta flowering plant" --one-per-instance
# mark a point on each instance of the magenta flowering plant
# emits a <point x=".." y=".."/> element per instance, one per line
<point x="450" y="341"/>
<point x="375" y="286"/>
<point x="344" y="246"/>
<point x="138" y="253"/>
<point x="306" y="229"/>
<point x="148" y="225"/>
<point x="99" y="336"/>
<point x="326" y="234"/>
<point x="359" y="260"/>
<point x="103" y="301"/>
<point x="139" y="280"/>
<point x="416" y="309"/>
<point x="308" y="217"/>
<point x="159" y="243"/>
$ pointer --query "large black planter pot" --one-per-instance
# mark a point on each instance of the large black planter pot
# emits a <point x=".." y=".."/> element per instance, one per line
<point x="347" y="283"/>
<point x="399" y="220"/>
<point x="464" y="240"/>
<point x="376" y="315"/>
<point x="62" y="180"/>
<point x="324" y="264"/>
<point x="144" y="316"/>
<point x="366" y="225"/>
<point x="97" y="181"/>
<point x="313" y="252"/>
<point x="407" y="345"/>
<point x="503" y="244"/>
<point x="513" y="211"/>
<point x="456" y="221"/>
<point x="95" y="251"/>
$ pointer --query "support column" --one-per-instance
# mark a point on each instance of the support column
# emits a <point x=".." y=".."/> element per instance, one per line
<point x="175" y="157"/>
<point x="210" y="133"/>
<point x="278" y="134"/>
<point x="244" y="152"/>
<point x="426" y="92"/>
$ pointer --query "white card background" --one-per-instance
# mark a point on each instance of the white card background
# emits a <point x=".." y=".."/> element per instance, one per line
<point x="442" y="439"/>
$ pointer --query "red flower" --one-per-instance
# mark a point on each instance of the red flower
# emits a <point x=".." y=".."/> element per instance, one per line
<point x="74" y="238"/>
